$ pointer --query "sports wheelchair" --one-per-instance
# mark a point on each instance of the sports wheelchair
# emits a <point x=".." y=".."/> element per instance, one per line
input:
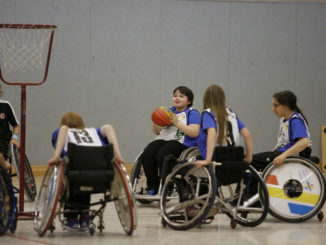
<point x="85" y="170"/>
<point x="13" y="155"/>
<point x="8" y="204"/>
<point x="139" y="182"/>
<point x="296" y="189"/>
<point x="228" y="185"/>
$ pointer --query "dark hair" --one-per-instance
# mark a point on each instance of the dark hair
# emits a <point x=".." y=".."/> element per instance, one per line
<point x="289" y="99"/>
<point x="185" y="91"/>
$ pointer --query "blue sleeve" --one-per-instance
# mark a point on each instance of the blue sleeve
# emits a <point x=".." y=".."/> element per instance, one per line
<point x="55" y="137"/>
<point x="240" y="124"/>
<point x="208" y="121"/>
<point x="104" y="140"/>
<point x="298" y="129"/>
<point x="194" y="117"/>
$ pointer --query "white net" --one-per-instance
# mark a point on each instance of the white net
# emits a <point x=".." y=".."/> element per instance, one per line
<point x="23" y="49"/>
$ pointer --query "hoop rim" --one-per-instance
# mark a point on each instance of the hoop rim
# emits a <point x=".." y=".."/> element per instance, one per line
<point x="27" y="26"/>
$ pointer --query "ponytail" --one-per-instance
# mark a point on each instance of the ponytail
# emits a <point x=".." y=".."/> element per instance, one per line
<point x="298" y="110"/>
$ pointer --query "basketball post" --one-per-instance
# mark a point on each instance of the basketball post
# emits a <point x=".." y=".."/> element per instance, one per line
<point x="323" y="148"/>
<point x="13" y="39"/>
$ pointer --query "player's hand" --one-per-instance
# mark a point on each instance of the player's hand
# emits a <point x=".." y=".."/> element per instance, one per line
<point x="201" y="163"/>
<point x="6" y="165"/>
<point x="278" y="161"/>
<point x="15" y="142"/>
<point x="248" y="159"/>
<point x="174" y="119"/>
<point x="52" y="161"/>
<point x="119" y="159"/>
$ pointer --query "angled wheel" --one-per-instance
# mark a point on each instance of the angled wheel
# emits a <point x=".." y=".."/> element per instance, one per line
<point x="131" y="193"/>
<point x="46" y="203"/>
<point x="248" y="198"/>
<point x="29" y="185"/>
<point x="7" y="204"/>
<point x="123" y="200"/>
<point x="196" y="188"/>
<point x="296" y="189"/>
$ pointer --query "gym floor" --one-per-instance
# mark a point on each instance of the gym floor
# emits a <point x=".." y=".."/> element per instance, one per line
<point x="150" y="231"/>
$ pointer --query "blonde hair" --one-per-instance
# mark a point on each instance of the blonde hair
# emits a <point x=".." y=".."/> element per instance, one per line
<point x="214" y="98"/>
<point x="72" y="120"/>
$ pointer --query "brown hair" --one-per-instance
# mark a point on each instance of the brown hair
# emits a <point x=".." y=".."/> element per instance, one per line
<point x="289" y="99"/>
<point x="72" y="120"/>
<point x="214" y="98"/>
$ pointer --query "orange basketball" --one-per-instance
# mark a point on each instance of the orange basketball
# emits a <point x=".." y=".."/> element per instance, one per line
<point x="161" y="116"/>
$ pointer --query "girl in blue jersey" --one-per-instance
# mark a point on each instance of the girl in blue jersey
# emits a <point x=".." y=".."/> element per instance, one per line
<point x="72" y="130"/>
<point x="293" y="137"/>
<point x="220" y="127"/>
<point x="181" y="134"/>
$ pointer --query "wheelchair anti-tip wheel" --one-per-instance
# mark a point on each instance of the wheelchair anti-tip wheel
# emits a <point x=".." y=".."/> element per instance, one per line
<point x="8" y="209"/>
<point x="248" y="198"/>
<point x="123" y="199"/>
<point x="196" y="188"/>
<point x="30" y="184"/>
<point x="296" y="189"/>
<point x="46" y="203"/>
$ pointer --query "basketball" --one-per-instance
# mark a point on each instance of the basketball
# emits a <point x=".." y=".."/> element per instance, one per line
<point x="161" y="116"/>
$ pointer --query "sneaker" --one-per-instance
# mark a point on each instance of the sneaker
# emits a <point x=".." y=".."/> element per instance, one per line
<point x="84" y="222"/>
<point x="70" y="224"/>
<point x="152" y="192"/>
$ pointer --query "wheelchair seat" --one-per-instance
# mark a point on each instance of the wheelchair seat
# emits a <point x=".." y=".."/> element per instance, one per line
<point x="90" y="169"/>
<point x="85" y="170"/>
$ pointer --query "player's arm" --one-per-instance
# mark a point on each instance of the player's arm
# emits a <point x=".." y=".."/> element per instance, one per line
<point x="15" y="136"/>
<point x="63" y="132"/>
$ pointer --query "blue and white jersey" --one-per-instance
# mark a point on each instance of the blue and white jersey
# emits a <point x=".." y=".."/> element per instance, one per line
<point x="188" y="116"/>
<point x="85" y="137"/>
<point x="290" y="131"/>
<point x="209" y="121"/>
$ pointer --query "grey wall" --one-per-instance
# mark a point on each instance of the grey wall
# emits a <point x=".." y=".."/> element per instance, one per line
<point x="113" y="61"/>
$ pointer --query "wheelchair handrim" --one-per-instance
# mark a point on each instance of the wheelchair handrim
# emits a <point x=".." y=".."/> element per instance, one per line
<point x="55" y="175"/>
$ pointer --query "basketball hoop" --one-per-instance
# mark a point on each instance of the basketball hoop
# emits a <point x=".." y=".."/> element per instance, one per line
<point x="22" y="49"/>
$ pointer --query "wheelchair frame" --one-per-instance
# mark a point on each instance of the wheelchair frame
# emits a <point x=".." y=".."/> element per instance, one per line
<point x="297" y="195"/>
<point x="228" y="199"/>
<point x="54" y="189"/>
<point x="8" y="204"/>
<point x="138" y="178"/>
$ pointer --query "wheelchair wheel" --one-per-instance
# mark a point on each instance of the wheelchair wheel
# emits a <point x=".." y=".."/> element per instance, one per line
<point x="7" y="204"/>
<point x="29" y="185"/>
<point x="296" y="189"/>
<point x="46" y="203"/>
<point x="131" y="193"/>
<point x="123" y="200"/>
<point x="248" y="199"/>
<point x="139" y="181"/>
<point x="196" y="188"/>
<point x="189" y="153"/>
